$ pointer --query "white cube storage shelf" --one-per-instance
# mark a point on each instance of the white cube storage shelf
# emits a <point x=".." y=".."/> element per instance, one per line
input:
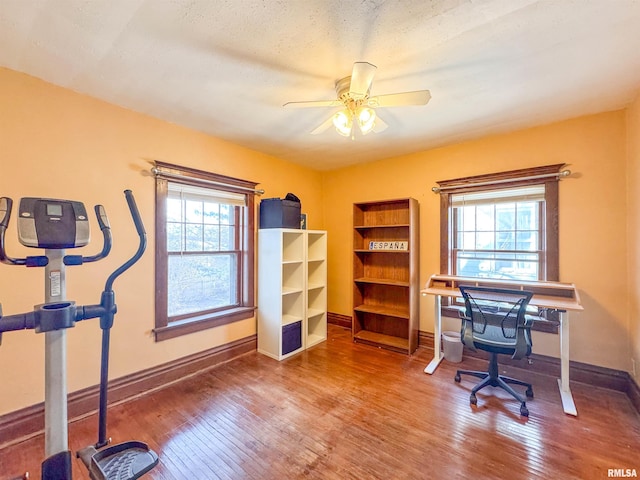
<point x="292" y="290"/>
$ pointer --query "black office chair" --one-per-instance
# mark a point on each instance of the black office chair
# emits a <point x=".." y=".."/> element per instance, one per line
<point x="495" y="322"/>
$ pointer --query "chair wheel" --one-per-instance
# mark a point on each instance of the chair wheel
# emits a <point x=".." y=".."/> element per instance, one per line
<point x="473" y="400"/>
<point x="529" y="392"/>
<point x="524" y="411"/>
<point x="457" y="378"/>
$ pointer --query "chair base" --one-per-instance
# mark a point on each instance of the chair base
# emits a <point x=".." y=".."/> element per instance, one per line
<point x="492" y="378"/>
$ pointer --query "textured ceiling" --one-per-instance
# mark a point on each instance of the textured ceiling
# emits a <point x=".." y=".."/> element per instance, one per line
<point x="227" y="67"/>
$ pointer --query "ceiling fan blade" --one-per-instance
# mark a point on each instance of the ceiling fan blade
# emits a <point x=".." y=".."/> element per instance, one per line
<point x="419" y="97"/>
<point x="324" y="126"/>
<point x="318" y="103"/>
<point x="361" y="78"/>
<point x="379" y="126"/>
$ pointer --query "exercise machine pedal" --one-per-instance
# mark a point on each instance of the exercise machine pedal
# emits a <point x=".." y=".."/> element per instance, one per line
<point x="125" y="461"/>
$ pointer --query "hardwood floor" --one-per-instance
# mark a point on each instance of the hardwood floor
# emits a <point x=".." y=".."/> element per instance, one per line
<point x="347" y="411"/>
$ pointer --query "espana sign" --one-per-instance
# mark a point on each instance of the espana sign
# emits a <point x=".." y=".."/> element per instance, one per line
<point x="388" y="245"/>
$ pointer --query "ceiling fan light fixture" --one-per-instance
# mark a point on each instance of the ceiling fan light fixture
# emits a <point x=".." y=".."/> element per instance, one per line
<point x="353" y="96"/>
<point x="366" y="119"/>
<point x="343" y="122"/>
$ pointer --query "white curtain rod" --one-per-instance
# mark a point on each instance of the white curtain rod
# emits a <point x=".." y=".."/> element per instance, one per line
<point x="159" y="173"/>
<point x="562" y="174"/>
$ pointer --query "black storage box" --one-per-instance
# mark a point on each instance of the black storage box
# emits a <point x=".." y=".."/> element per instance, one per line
<point x="291" y="337"/>
<point x="279" y="213"/>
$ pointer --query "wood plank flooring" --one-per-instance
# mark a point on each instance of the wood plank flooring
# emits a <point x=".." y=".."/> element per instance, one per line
<point x="347" y="411"/>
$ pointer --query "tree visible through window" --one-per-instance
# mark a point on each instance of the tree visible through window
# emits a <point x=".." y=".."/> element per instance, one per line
<point x="204" y="250"/>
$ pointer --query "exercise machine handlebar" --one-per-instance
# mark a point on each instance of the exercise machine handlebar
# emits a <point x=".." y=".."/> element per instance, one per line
<point x="5" y="215"/>
<point x="142" y="244"/>
<point x="135" y="214"/>
<point x="6" y="205"/>
<point x="105" y="228"/>
<point x="107" y="304"/>
<point x="5" y="211"/>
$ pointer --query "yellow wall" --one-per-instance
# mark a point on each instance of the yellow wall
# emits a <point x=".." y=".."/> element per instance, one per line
<point x="593" y="217"/>
<point x="61" y="144"/>
<point x="633" y="188"/>
<point x="57" y="143"/>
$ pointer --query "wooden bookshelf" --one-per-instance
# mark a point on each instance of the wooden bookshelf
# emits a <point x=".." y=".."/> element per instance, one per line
<point x="386" y="274"/>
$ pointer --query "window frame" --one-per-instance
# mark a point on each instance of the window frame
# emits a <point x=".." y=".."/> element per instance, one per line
<point x="493" y="181"/>
<point x="166" y="327"/>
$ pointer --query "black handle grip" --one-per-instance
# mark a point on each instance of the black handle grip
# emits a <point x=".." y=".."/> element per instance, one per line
<point x="135" y="214"/>
<point x="101" y="215"/>
<point x="103" y="222"/>
<point x="5" y="214"/>
<point x="5" y="211"/>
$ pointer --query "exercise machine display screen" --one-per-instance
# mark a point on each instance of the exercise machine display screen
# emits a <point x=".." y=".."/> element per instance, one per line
<point x="52" y="223"/>
<point x="54" y="209"/>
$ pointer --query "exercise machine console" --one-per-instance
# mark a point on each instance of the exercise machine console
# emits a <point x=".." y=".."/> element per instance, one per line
<point x="56" y="225"/>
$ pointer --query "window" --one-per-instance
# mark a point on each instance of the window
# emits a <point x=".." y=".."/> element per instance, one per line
<point x="204" y="250"/>
<point x="499" y="233"/>
<point x="502" y="225"/>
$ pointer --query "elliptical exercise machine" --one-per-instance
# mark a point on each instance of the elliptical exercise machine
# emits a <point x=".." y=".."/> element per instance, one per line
<point x="55" y="225"/>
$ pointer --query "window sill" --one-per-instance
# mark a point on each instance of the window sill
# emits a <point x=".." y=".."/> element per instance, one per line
<point x="185" y="327"/>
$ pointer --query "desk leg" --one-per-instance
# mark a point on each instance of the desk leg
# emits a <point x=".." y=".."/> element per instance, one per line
<point x="563" y="382"/>
<point x="437" y="326"/>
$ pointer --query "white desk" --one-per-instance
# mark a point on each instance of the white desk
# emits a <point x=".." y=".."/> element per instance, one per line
<point x="562" y="297"/>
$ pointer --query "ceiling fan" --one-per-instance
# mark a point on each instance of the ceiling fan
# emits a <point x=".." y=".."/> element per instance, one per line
<point x="357" y="106"/>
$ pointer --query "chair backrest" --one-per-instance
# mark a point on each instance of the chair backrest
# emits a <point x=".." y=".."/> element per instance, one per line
<point x="497" y="318"/>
